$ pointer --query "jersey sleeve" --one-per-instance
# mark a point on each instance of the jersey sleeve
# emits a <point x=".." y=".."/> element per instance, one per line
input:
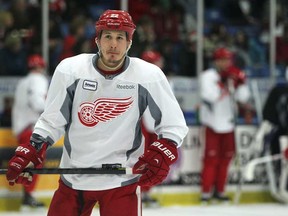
<point x="58" y="106"/>
<point x="164" y="108"/>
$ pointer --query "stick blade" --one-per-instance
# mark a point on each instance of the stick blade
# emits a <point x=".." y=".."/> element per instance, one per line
<point x="249" y="172"/>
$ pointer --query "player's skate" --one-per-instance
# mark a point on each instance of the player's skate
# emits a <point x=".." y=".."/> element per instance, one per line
<point x="221" y="198"/>
<point x="29" y="203"/>
<point x="205" y="199"/>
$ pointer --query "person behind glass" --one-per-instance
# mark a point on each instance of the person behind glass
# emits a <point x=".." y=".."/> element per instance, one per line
<point x="221" y="86"/>
<point x="96" y="101"/>
<point x="28" y="104"/>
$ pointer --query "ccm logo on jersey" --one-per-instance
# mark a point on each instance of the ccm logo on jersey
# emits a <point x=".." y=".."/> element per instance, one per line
<point x="164" y="149"/>
<point x="90" y="85"/>
<point x="103" y="110"/>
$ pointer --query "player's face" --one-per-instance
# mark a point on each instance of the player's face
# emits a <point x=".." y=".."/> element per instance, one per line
<point x="113" y="46"/>
<point x="223" y="64"/>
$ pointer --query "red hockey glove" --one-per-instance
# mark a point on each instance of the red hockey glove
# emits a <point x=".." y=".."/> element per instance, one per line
<point x="235" y="74"/>
<point x="25" y="156"/>
<point x="154" y="164"/>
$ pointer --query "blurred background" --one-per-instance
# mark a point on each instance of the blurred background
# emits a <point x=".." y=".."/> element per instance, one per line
<point x="185" y="33"/>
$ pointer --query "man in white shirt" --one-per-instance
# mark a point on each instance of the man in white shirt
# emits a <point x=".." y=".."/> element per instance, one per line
<point x="220" y="87"/>
<point x="29" y="102"/>
<point x="97" y="101"/>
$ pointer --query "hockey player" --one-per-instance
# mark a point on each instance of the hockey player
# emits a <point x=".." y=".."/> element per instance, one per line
<point x="275" y="119"/>
<point x="220" y="86"/>
<point x="153" y="57"/>
<point x="271" y="131"/>
<point x="96" y="101"/>
<point x="28" y="104"/>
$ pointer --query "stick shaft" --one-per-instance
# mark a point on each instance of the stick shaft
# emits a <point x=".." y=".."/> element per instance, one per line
<point x="119" y="171"/>
<point x="266" y="159"/>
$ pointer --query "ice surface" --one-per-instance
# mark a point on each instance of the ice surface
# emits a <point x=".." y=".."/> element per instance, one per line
<point x="211" y="210"/>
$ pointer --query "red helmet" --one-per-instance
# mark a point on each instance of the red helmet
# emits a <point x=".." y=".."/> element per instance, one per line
<point x="222" y="53"/>
<point x="151" y="56"/>
<point x="116" y="20"/>
<point x="36" y="61"/>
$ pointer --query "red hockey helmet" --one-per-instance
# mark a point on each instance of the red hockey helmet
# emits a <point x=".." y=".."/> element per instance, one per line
<point x="116" y="20"/>
<point x="36" y="61"/>
<point x="151" y="56"/>
<point x="222" y="53"/>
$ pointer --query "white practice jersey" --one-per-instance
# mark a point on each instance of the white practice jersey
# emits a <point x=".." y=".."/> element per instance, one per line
<point x="217" y="108"/>
<point x="100" y="116"/>
<point x="29" y="101"/>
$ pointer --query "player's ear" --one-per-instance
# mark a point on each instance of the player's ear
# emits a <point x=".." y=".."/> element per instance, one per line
<point x="97" y="42"/>
<point x="129" y="45"/>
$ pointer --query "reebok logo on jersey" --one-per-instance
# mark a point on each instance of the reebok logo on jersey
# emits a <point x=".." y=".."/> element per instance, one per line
<point x="125" y="86"/>
<point x="90" y="85"/>
<point x="103" y="110"/>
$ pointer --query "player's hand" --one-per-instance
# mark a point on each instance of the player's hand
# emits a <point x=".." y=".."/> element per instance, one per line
<point x="25" y="156"/>
<point x="235" y="74"/>
<point x="154" y="164"/>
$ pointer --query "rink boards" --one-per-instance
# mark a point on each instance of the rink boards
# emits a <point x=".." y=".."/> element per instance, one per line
<point x="181" y="186"/>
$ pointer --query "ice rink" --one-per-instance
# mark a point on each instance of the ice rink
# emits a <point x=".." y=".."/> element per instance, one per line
<point x="211" y="210"/>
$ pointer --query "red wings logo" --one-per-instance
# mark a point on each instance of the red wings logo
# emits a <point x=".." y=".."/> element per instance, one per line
<point x="102" y="110"/>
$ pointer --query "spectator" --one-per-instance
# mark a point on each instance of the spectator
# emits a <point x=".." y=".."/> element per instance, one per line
<point x="282" y="48"/>
<point x="6" y="23"/>
<point x="27" y="22"/>
<point x="187" y="56"/>
<point x="217" y="36"/>
<point x="170" y="52"/>
<point x="76" y="33"/>
<point x="145" y="36"/>
<point x="55" y="41"/>
<point x="241" y="47"/>
<point x="13" y="57"/>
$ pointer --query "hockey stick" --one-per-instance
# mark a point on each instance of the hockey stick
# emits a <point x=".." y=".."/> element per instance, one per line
<point x="238" y="159"/>
<point x="250" y="167"/>
<point x="105" y="170"/>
